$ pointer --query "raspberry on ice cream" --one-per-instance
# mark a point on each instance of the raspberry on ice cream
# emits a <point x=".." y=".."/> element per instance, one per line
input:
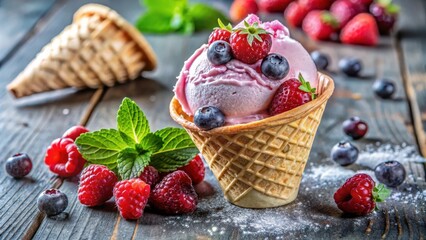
<point x="238" y="89"/>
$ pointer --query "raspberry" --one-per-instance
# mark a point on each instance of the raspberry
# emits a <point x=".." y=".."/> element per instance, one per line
<point x="250" y="43"/>
<point x="75" y="132"/>
<point x="195" y="170"/>
<point x="131" y="197"/>
<point x="63" y="158"/>
<point x="150" y="176"/>
<point x="174" y="194"/>
<point x="221" y="33"/>
<point x="96" y="185"/>
<point x="358" y="195"/>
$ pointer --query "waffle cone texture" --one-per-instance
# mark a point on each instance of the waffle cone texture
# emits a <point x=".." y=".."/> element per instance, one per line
<point x="98" y="48"/>
<point x="260" y="164"/>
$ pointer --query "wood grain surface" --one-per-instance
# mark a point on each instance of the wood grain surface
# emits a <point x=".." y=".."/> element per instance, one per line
<point x="30" y="125"/>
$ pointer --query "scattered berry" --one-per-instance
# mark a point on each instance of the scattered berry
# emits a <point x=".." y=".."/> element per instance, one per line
<point x="19" y="165"/>
<point x="221" y="33"/>
<point x="250" y="43"/>
<point x="344" y="10"/>
<point x="273" y="5"/>
<point x="355" y="127"/>
<point x="75" y="132"/>
<point x="295" y="13"/>
<point x="384" y="88"/>
<point x="386" y="14"/>
<point x="315" y="4"/>
<point x="63" y="158"/>
<point x="219" y="52"/>
<point x="52" y="202"/>
<point x="292" y="93"/>
<point x="131" y="197"/>
<point x="320" y="25"/>
<point x="195" y="169"/>
<point x="350" y="66"/>
<point x="390" y="173"/>
<point x="208" y="118"/>
<point x="241" y="8"/>
<point x="96" y="185"/>
<point x="362" y="30"/>
<point x="358" y="195"/>
<point x="275" y="66"/>
<point x="344" y="153"/>
<point x="150" y="176"/>
<point x="320" y="59"/>
<point x="174" y="194"/>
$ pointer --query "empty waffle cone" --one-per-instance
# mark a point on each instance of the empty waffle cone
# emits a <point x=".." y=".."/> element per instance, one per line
<point x="98" y="48"/>
<point x="260" y="164"/>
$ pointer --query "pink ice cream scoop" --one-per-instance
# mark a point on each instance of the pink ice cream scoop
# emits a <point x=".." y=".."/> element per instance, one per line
<point x="238" y="89"/>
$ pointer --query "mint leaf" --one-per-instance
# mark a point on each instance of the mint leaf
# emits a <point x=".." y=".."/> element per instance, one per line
<point x="154" y="22"/>
<point x="131" y="163"/>
<point x="178" y="149"/>
<point x="101" y="147"/>
<point x="380" y="193"/>
<point x="132" y="121"/>
<point x="151" y="142"/>
<point x="204" y="16"/>
<point x="165" y="6"/>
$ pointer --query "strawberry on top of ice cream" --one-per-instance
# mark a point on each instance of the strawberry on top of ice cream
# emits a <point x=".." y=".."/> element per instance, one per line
<point x="242" y="91"/>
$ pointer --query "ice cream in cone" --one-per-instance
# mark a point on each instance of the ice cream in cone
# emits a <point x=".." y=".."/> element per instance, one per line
<point x="98" y="48"/>
<point x="257" y="154"/>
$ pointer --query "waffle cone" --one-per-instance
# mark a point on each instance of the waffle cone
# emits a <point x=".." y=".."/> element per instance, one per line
<point x="260" y="164"/>
<point x="98" y="48"/>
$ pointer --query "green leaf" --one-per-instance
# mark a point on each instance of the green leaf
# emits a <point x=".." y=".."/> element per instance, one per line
<point x="101" y="147"/>
<point x="380" y="193"/>
<point x="131" y="163"/>
<point x="132" y="121"/>
<point x="306" y="87"/>
<point x="154" y="22"/>
<point x="204" y="17"/>
<point x="178" y="149"/>
<point x="151" y="142"/>
<point x="164" y="6"/>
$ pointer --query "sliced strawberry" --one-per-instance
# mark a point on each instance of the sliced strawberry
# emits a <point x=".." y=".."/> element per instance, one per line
<point x="292" y="93"/>
<point x="362" y="30"/>
<point x="250" y="43"/>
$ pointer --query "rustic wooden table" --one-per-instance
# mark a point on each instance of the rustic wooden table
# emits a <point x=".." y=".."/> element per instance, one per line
<point x="397" y="130"/>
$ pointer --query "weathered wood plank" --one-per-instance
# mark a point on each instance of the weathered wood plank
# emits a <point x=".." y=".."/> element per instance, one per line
<point x="29" y="125"/>
<point x="21" y="17"/>
<point x="313" y="214"/>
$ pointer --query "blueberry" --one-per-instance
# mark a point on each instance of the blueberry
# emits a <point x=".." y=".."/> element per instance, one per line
<point x="350" y="66"/>
<point x="384" y="88"/>
<point x="355" y="127"/>
<point x="208" y="118"/>
<point x="275" y="66"/>
<point x="390" y="173"/>
<point x="320" y="59"/>
<point x="19" y="165"/>
<point x="344" y="153"/>
<point x="52" y="202"/>
<point x="219" y="52"/>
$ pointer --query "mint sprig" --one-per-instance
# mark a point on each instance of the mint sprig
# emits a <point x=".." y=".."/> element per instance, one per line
<point x="179" y="16"/>
<point x="306" y="87"/>
<point x="131" y="147"/>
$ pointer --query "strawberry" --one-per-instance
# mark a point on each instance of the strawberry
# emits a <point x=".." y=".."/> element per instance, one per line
<point x="344" y="10"/>
<point x="273" y="5"/>
<point x="221" y="33"/>
<point x="241" y="8"/>
<point x="315" y="4"/>
<point x="362" y="3"/>
<point x="362" y="29"/>
<point x="292" y="93"/>
<point x="358" y="195"/>
<point x="295" y="13"/>
<point x="320" y="25"/>
<point x="250" y="43"/>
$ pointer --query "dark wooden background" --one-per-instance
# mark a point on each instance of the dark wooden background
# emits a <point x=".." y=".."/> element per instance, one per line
<point x="30" y="124"/>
